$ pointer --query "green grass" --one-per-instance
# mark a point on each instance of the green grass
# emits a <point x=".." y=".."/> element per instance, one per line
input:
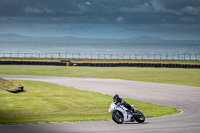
<point x="47" y="102"/>
<point x="179" y="76"/>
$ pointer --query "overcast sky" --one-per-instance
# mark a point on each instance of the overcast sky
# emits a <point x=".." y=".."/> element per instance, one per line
<point x="168" y="19"/>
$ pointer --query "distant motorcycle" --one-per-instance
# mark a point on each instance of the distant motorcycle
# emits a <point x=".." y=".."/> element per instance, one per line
<point x="121" y="114"/>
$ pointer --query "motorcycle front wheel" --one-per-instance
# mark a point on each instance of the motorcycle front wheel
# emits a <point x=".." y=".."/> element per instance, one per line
<point x="117" y="117"/>
<point x="139" y="117"/>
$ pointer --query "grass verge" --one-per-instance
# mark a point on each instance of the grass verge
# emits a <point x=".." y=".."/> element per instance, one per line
<point x="179" y="76"/>
<point x="47" y="102"/>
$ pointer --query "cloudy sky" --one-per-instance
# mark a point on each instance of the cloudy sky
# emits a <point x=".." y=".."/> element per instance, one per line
<point x="167" y="19"/>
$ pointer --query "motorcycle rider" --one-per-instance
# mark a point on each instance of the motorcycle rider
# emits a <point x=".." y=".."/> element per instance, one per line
<point x="121" y="101"/>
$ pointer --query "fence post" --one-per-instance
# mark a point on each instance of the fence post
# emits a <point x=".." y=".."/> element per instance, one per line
<point x="195" y="56"/>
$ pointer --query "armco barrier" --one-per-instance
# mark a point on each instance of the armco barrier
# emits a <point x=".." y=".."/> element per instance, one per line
<point x="195" y="66"/>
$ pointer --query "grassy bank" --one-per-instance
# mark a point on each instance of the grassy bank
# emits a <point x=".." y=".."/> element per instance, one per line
<point x="105" y="60"/>
<point x="7" y="85"/>
<point x="46" y="102"/>
<point x="10" y="86"/>
<point x="188" y="77"/>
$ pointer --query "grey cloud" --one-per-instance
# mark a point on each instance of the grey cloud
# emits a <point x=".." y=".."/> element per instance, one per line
<point x="32" y="10"/>
<point x="103" y="20"/>
<point x="188" y="19"/>
<point x="48" y="10"/>
<point x="81" y="8"/>
<point x="143" y="7"/>
<point x="97" y="7"/>
<point x="146" y="14"/>
<point x="35" y="10"/>
<point x="152" y="6"/>
<point x="94" y="8"/>
<point x="191" y="10"/>
<point x="120" y="19"/>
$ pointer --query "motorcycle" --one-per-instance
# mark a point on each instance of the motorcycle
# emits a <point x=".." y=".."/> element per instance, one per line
<point x="121" y="114"/>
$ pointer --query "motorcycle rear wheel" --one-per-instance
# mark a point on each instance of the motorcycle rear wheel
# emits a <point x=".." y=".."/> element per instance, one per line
<point x="117" y="117"/>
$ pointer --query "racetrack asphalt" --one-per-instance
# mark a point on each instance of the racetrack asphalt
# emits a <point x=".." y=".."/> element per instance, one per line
<point x="185" y="98"/>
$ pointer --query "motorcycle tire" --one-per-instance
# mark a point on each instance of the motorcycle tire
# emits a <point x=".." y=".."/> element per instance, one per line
<point x="139" y="118"/>
<point x="117" y="117"/>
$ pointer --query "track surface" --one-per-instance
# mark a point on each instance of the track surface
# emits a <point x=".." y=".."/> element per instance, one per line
<point x="181" y="97"/>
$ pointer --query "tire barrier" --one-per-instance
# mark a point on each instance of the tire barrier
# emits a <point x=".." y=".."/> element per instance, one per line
<point x="31" y="63"/>
<point x="195" y="66"/>
<point x="137" y="65"/>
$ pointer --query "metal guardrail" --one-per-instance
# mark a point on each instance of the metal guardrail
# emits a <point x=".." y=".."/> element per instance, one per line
<point x="103" y="56"/>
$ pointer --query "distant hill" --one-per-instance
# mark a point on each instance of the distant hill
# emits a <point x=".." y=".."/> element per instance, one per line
<point x="69" y="37"/>
<point x="33" y="37"/>
<point x="11" y="36"/>
<point x="144" y="38"/>
<point x="16" y="36"/>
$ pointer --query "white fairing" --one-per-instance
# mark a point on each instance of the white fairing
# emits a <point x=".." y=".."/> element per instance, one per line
<point x="122" y="109"/>
<point x="112" y="108"/>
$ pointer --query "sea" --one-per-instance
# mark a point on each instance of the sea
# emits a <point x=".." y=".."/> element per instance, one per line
<point x="98" y="46"/>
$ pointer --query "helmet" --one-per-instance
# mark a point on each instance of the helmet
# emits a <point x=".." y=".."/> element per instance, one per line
<point x="115" y="97"/>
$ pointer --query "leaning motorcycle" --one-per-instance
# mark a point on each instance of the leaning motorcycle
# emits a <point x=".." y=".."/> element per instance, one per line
<point x="121" y="114"/>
